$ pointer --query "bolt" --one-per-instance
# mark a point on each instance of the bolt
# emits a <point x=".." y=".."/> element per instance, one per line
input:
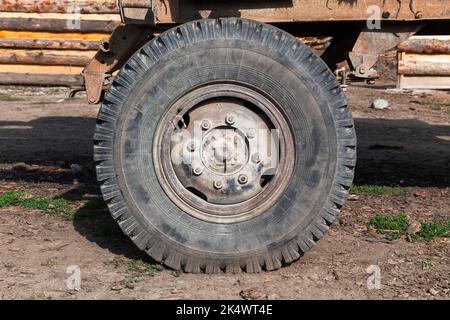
<point x="191" y="146"/>
<point x="198" y="171"/>
<point x="386" y="15"/>
<point x="256" y="158"/>
<point x="251" y="133"/>
<point x="243" y="179"/>
<point x="362" y="70"/>
<point x="419" y="15"/>
<point x="218" y="184"/>
<point x="206" y="125"/>
<point x="230" y="120"/>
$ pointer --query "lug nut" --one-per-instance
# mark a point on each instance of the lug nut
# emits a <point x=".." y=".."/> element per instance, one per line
<point x="230" y="120"/>
<point x="206" y="125"/>
<point x="256" y="158"/>
<point x="251" y="133"/>
<point x="243" y="179"/>
<point x="218" y="185"/>
<point x="198" y="171"/>
<point x="191" y="146"/>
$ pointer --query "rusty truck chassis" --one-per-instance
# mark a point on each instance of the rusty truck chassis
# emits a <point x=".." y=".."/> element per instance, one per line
<point x="354" y="43"/>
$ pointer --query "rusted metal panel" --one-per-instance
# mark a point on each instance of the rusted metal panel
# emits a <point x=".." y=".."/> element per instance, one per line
<point x="175" y="11"/>
<point x="60" y="6"/>
<point x="124" y="41"/>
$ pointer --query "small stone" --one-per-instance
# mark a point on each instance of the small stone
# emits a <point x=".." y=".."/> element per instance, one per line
<point x="380" y="104"/>
<point x="21" y="166"/>
<point x="117" y="288"/>
<point x="314" y="277"/>
<point x="76" y="169"/>
<point x="253" y="294"/>
<point x="420" y="194"/>
<point x="433" y="292"/>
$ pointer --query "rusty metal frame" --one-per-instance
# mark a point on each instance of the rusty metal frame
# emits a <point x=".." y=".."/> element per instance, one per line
<point x="271" y="11"/>
<point x="113" y="53"/>
<point x="142" y="17"/>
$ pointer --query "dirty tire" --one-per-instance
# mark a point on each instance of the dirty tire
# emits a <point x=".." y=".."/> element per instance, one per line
<point x="253" y="55"/>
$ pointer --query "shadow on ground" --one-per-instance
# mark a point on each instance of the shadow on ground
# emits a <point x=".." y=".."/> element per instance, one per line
<point x="391" y="152"/>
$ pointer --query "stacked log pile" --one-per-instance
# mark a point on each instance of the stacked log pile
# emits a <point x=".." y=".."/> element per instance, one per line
<point x="424" y="63"/>
<point x="49" y="42"/>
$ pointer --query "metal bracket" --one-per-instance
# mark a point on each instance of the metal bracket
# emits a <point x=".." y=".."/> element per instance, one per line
<point x="137" y="12"/>
<point x="111" y="56"/>
<point x="371" y="43"/>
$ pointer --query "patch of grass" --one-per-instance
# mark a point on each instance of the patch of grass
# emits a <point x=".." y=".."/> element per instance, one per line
<point x="436" y="229"/>
<point x="393" y="227"/>
<point x="142" y="267"/>
<point x="136" y="270"/>
<point x="39" y="296"/>
<point x="101" y="222"/>
<point x="428" y="264"/>
<point x="47" y="204"/>
<point x="374" y="190"/>
<point x="386" y="222"/>
<point x="9" y="98"/>
<point x="50" y="263"/>
<point x="41" y="103"/>
<point x="12" y="199"/>
<point x="436" y="106"/>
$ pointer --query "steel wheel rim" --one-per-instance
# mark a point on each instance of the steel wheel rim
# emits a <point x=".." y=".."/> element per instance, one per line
<point x="179" y="178"/>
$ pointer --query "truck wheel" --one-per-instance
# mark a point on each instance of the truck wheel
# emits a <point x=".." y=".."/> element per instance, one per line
<point x="225" y="145"/>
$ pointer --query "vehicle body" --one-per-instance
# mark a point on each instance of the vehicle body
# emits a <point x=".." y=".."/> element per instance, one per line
<point x="175" y="149"/>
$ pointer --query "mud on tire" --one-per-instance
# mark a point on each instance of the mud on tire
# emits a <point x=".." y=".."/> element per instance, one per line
<point x="241" y="54"/>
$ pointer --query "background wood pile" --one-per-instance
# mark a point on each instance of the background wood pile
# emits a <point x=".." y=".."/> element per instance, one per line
<point x="49" y="42"/>
<point x="424" y="63"/>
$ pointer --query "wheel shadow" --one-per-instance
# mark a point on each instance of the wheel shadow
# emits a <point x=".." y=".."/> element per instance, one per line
<point x="391" y="152"/>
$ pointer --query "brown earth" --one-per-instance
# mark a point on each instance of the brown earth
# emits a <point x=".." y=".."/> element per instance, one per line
<point x="42" y="135"/>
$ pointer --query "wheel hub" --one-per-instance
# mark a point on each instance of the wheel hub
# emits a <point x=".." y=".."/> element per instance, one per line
<point x="225" y="153"/>
<point x="221" y="164"/>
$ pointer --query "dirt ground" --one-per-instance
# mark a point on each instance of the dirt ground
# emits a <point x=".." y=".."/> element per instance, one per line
<point x="43" y="135"/>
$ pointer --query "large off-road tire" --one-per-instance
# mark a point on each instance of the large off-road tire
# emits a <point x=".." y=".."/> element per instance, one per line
<point x="233" y="207"/>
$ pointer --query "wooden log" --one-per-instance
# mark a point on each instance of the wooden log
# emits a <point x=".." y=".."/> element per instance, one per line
<point x="8" y="34"/>
<point x="41" y="79"/>
<point x="36" y="69"/>
<point x="424" y="68"/>
<point x="60" y="25"/>
<point x="424" y="82"/>
<point x="60" y="6"/>
<point x="46" y="57"/>
<point x="48" y="44"/>
<point x="434" y="46"/>
<point x="60" y="22"/>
